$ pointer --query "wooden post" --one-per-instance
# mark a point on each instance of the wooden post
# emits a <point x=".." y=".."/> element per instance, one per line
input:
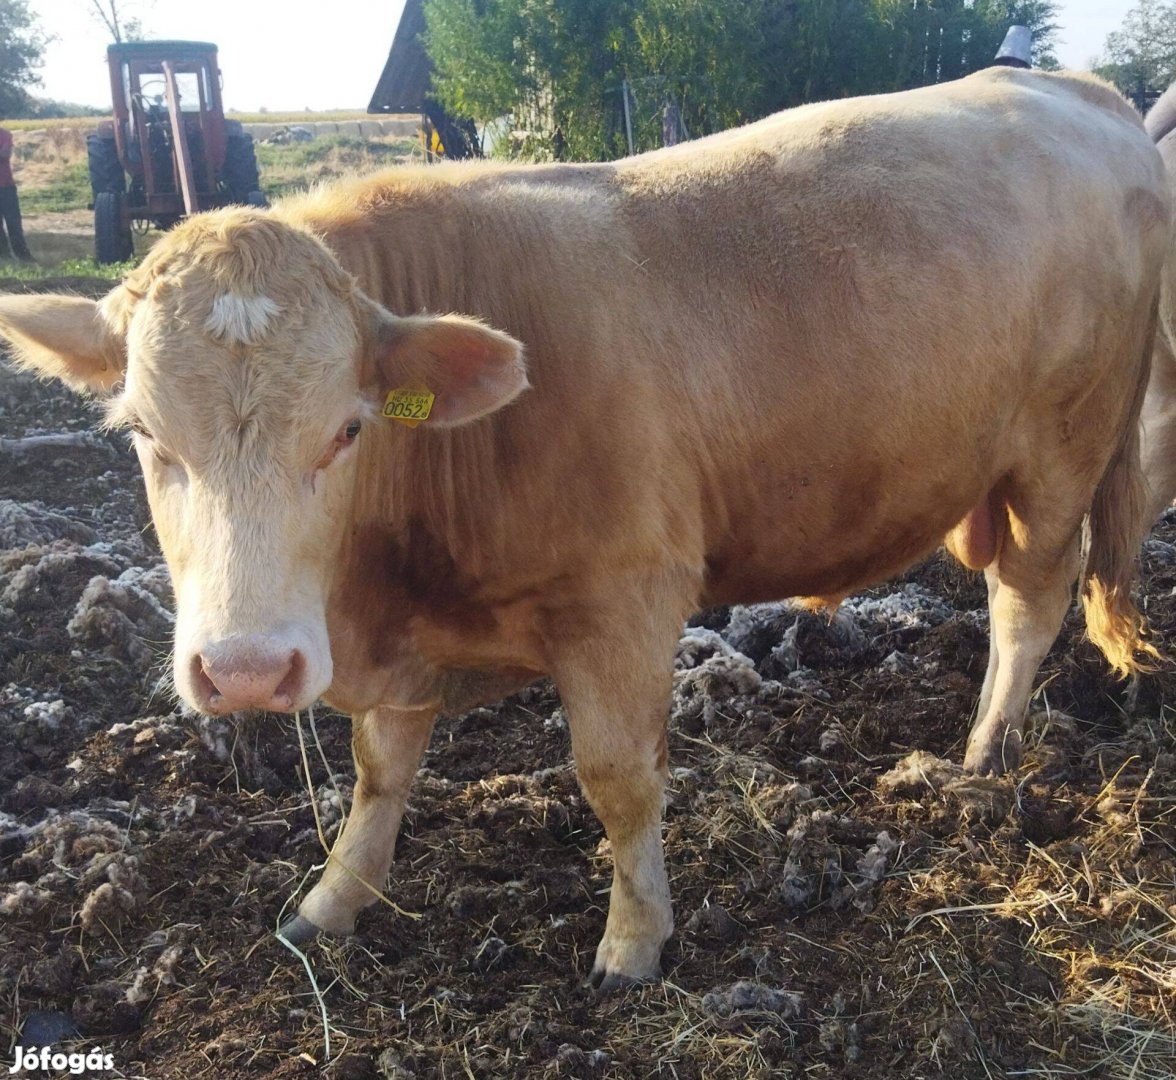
<point x="180" y="140"/>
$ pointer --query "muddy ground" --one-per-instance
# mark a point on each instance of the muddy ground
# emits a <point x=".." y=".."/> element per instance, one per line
<point x="844" y="909"/>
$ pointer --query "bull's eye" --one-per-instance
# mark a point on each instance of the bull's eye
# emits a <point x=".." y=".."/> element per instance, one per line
<point x="344" y="438"/>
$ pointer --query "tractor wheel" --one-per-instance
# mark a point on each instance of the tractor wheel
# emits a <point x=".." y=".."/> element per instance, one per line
<point x="106" y="171"/>
<point x="112" y="239"/>
<point x="239" y="175"/>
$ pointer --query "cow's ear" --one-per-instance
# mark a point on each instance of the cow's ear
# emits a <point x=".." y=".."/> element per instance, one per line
<point x="66" y="338"/>
<point x="470" y="369"/>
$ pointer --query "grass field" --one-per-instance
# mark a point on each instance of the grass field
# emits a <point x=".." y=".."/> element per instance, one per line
<point x="70" y="191"/>
<point x="66" y="268"/>
<point x="286" y="169"/>
<point x="82" y="123"/>
<point x="51" y="169"/>
<point x="301" y="117"/>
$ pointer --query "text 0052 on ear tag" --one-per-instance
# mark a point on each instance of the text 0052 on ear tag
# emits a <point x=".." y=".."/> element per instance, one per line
<point x="409" y="406"/>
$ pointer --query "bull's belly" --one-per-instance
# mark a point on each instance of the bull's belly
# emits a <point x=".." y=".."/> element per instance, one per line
<point x="766" y="559"/>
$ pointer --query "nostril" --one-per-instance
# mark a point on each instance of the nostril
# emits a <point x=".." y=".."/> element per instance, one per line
<point x="290" y="687"/>
<point x="206" y="690"/>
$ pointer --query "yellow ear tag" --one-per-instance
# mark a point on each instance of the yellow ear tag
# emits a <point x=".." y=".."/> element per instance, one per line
<point x="409" y="406"/>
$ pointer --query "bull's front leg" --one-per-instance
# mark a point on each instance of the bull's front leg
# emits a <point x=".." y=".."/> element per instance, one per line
<point x="388" y="745"/>
<point x="616" y="690"/>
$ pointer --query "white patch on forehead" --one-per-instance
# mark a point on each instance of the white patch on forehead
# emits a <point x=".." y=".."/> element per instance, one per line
<point x="240" y="320"/>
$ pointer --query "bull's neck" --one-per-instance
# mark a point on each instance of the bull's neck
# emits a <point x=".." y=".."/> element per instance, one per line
<point x="438" y="484"/>
<point x="425" y="245"/>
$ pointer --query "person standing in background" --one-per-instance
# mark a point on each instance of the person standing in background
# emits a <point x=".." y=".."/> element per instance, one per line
<point x="10" y="205"/>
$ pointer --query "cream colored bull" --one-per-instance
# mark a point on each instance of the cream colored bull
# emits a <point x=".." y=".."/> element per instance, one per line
<point x="783" y="361"/>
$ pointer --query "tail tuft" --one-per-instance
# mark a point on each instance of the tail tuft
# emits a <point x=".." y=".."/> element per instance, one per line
<point x="1115" y="625"/>
<point x="1118" y="523"/>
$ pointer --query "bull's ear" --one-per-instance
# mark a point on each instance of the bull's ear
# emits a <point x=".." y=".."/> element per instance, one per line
<point x="471" y="369"/>
<point x="64" y="337"/>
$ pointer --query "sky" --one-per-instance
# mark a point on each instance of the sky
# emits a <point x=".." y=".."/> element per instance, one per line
<point x="270" y="54"/>
<point x="331" y="57"/>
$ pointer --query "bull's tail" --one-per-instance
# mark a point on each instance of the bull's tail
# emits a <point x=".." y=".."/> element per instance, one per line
<point x="1118" y="523"/>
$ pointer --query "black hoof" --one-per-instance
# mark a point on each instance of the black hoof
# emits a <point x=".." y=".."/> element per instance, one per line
<point x="298" y="931"/>
<point x="604" y="982"/>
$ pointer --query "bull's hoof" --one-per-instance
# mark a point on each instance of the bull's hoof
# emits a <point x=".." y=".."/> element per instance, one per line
<point x="992" y="757"/>
<point x="993" y="751"/>
<point x="298" y="931"/>
<point x="623" y="962"/>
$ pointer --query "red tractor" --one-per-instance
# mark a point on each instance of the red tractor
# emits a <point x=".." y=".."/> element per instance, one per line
<point x="169" y="151"/>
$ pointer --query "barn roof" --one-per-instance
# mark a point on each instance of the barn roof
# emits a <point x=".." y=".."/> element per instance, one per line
<point x="405" y="80"/>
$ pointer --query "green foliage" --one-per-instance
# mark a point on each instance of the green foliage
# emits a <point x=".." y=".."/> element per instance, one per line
<point x="1140" y="57"/>
<point x="560" y="64"/>
<point x="21" y="46"/>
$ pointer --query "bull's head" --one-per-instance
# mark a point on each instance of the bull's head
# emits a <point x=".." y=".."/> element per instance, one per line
<point x="247" y="365"/>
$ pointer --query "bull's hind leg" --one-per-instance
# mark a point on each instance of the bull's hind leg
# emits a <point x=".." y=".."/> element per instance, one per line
<point x="614" y="678"/>
<point x="1029" y="592"/>
<point x="993" y="650"/>
<point x="388" y="745"/>
<point x="976" y="542"/>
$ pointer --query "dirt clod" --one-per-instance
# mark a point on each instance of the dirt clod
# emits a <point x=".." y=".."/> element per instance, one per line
<point x="745" y="997"/>
<point x="712" y="922"/>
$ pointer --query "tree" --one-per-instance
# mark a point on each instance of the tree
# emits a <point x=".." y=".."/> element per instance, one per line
<point x="121" y="25"/>
<point x="21" y="48"/>
<point x="560" y="65"/>
<point x="1140" y="57"/>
